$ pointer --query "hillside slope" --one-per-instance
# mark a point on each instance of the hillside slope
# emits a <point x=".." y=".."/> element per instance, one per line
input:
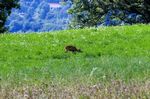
<point x="109" y="54"/>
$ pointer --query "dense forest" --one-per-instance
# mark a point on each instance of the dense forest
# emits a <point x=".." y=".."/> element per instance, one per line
<point x="39" y="15"/>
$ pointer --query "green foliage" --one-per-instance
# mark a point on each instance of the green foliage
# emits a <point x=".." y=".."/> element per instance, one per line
<point x="88" y="13"/>
<point x="5" y="10"/>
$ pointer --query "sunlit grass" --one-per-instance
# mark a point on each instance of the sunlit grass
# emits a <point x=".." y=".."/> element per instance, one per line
<point x="109" y="54"/>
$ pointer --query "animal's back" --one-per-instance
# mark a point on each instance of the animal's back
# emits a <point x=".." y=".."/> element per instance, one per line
<point x="71" y="48"/>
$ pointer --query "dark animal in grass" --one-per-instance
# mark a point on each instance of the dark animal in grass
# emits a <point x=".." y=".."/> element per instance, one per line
<point x="71" y="48"/>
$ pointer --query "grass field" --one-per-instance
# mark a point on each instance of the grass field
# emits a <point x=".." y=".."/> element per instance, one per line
<point x="115" y="63"/>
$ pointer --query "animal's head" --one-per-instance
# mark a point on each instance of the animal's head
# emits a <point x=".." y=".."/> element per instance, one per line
<point x="79" y="50"/>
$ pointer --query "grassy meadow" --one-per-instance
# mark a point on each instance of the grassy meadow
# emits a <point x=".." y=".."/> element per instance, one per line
<point x="115" y="63"/>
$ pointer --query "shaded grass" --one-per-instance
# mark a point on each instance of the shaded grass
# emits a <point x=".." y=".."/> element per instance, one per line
<point x="109" y="54"/>
<point x="100" y="69"/>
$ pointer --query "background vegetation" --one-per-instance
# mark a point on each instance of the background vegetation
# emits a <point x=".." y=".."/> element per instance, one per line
<point x="38" y="15"/>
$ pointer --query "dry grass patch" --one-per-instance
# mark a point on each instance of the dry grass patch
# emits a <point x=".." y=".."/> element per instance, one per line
<point x="113" y="90"/>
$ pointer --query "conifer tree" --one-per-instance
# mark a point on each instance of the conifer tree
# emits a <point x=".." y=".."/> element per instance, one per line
<point x="88" y="13"/>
